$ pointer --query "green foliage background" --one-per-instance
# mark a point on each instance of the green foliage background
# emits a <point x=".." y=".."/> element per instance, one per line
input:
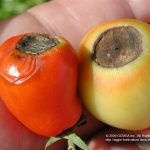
<point x="10" y="8"/>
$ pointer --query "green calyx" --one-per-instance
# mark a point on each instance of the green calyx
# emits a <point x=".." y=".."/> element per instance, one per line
<point x="72" y="138"/>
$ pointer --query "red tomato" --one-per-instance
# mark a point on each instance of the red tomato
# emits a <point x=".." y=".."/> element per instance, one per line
<point x="38" y="77"/>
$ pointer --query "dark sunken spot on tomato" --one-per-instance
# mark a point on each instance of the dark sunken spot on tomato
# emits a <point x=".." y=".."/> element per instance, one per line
<point x="35" y="43"/>
<point x="117" y="47"/>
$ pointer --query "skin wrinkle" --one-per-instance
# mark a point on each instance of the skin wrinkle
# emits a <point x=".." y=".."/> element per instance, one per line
<point x="77" y="24"/>
<point x="52" y="26"/>
<point x="130" y="8"/>
<point x="44" y="22"/>
<point x="143" y="12"/>
<point x="123" y="9"/>
<point x="72" y="15"/>
<point x="21" y="25"/>
<point x="38" y="20"/>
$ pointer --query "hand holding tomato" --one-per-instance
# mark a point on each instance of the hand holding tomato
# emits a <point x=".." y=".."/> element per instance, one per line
<point x="96" y="12"/>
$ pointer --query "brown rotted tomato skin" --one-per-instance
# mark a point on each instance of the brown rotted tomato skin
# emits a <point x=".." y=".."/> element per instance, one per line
<point x="40" y="90"/>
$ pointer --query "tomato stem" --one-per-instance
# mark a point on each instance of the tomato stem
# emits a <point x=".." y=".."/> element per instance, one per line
<point x="71" y="145"/>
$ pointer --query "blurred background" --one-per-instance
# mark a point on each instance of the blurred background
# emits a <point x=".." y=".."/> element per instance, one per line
<point x="10" y="8"/>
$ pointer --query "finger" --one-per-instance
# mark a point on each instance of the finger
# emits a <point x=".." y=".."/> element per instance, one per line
<point x="117" y="139"/>
<point x="71" y="19"/>
<point x="68" y="19"/>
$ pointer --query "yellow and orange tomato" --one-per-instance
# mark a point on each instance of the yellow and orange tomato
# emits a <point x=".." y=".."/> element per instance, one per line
<point x="117" y="94"/>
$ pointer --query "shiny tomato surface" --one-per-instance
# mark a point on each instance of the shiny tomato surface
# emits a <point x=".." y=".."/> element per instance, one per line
<point x="40" y="89"/>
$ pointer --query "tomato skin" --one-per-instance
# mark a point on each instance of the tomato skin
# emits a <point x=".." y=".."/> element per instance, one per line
<point x="117" y="96"/>
<point x="43" y="94"/>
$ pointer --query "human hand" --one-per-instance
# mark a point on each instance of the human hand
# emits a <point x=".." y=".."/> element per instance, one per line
<point x="70" y="19"/>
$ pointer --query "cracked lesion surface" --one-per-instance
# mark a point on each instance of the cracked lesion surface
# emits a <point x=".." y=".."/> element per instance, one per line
<point x="117" y="46"/>
<point x="36" y="43"/>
